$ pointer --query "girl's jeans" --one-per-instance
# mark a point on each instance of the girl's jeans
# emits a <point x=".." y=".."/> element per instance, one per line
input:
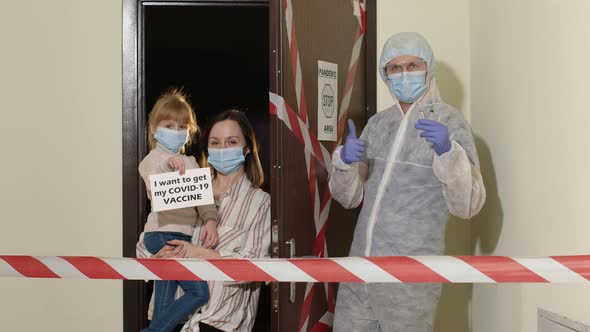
<point x="167" y="311"/>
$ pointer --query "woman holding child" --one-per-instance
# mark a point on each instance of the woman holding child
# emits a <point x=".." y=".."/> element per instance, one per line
<point x="243" y="224"/>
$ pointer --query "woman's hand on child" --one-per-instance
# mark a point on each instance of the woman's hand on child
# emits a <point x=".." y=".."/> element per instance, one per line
<point x="177" y="163"/>
<point x="172" y="251"/>
<point x="209" y="236"/>
<point x="179" y="249"/>
<point x="183" y="249"/>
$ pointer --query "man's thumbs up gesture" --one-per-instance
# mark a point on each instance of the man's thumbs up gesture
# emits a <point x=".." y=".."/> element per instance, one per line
<point x="353" y="147"/>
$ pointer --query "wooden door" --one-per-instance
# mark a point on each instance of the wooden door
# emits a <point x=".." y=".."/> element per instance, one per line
<point x="339" y="32"/>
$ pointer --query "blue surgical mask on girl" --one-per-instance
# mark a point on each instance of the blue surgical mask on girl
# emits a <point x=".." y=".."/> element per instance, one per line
<point x="226" y="161"/>
<point x="408" y="86"/>
<point x="171" y="139"/>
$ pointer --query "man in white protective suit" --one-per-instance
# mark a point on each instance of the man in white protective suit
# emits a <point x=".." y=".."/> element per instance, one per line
<point x="413" y="164"/>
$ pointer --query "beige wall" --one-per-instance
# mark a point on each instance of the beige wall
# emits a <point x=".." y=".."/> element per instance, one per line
<point x="445" y="24"/>
<point x="60" y="86"/>
<point x="530" y="107"/>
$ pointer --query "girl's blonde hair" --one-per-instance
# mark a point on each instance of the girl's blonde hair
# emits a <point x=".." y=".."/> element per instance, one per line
<point x="172" y="105"/>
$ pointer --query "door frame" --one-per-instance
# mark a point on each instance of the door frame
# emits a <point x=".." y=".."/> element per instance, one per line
<point x="133" y="130"/>
<point x="134" y="147"/>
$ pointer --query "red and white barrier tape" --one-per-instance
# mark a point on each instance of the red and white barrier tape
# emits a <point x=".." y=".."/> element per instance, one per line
<point x="295" y="62"/>
<point x="396" y="269"/>
<point x="303" y="134"/>
<point x="352" y="68"/>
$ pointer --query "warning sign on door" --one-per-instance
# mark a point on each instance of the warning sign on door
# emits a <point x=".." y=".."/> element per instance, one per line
<point x="327" y="100"/>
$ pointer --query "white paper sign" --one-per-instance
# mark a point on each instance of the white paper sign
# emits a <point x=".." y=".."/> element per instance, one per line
<point x="173" y="191"/>
<point x="327" y="101"/>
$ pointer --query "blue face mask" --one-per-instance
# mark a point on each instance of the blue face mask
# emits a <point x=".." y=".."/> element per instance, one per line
<point x="226" y="161"/>
<point x="408" y="86"/>
<point x="172" y="140"/>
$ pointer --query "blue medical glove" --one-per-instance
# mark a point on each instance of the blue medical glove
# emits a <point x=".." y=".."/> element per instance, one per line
<point x="435" y="133"/>
<point x="353" y="147"/>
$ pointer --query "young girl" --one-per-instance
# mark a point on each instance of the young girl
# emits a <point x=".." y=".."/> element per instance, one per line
<point x="171" y="125"/>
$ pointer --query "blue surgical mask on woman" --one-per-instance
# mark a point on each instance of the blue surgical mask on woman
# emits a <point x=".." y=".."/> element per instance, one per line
<point x="408" y="86"/>
<point x="226" y="161"/>
<point x="171" y="139"/>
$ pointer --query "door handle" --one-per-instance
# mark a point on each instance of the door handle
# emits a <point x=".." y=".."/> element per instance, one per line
<point x="292" y="285"/>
